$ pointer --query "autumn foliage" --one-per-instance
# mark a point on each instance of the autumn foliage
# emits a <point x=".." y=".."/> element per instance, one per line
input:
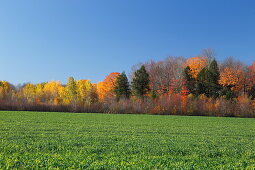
<point x="196" y="64"/>
<point x="105" y="89"/>
<point x="232" y="78"/>
<point x="176" y="85"/>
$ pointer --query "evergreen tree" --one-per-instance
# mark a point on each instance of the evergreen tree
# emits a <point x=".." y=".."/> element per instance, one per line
<point x="206" y="81"/>
<point x="122" y="87"/>
<point x="202" y="82"/>
<point x="227" y="92"/>
<point x="140" y="83"/>
<point x="213" y="79"/>
<point x="190" y="81"/>
<point x="154" y="94"/>
<point x="251" y="92"/>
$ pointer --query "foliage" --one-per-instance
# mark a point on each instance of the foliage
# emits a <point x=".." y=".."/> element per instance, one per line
<point x="84" y="88"/>
<point x="190" y="81"/>
<point x="5" y="89"/>
<point x="196" y="64"/>
<point x="176" y="85"/>
<point x="122" y="87"/>
<point x="213" y="79"/>
<point x="232" y="78"/>
<point x="227" y="93"/>
<point x="208" y="81"/>
<point x="140" y="83"/>
<point x="29" y="92"/>
<point x="51" y="91"/>
<point x="105" y="89"/>
<point x="71" y="88"/>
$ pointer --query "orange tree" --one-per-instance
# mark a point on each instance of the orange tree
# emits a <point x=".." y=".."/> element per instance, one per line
<point x="105" y="89"/>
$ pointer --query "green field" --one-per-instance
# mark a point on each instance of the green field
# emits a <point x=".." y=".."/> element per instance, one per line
<point x="107" y="141"/>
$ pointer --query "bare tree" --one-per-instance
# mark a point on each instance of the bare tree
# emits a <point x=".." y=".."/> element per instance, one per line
<point x="208" y="53"/>
<point x="165" y="75"/>
<point x="134" y="68"/>
<point x="231" y="62"/>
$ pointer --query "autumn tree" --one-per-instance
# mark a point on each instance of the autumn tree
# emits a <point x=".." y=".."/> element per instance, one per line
<point x="196" y="64"/>
<point x="101" y="90"/>
<point x="140" y="83"/>
<point x="93" y="93"/>
<point x="40" y="95"/>
<point x="51" y="91"/>
<point x="105" y="89"/>
<point x="64" y="95"/>
<point x="231" y="78"/>
<point x="252" y="73"/>
<point x="5" y="88"/>
<point x="71" y="88"/>
<point x="84" y="88"/>
<point x="122" y="87"/>
<point x="29" y="93"/>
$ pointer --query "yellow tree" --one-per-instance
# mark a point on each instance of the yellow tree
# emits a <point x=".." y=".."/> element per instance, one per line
<point x="51" y="91"/>
<point x="63" y="94"/>
<point x="39" y="92"/>
<point x="29" y="92"/>
<point x="71" y="88"/>
<point x="4" y="89"/>
<point x="83" y="88"/>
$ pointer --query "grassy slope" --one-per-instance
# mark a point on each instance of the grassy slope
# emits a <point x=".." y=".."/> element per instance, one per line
<point x="73" y="140"/>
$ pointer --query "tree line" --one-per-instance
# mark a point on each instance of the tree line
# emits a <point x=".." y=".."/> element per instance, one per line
<point x="183" y="86"/>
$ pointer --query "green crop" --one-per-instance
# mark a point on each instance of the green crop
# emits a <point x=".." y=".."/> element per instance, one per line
<point x="43" y="140"/>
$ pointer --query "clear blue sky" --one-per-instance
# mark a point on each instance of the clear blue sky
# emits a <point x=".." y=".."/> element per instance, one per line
<point x="43" y="40"/>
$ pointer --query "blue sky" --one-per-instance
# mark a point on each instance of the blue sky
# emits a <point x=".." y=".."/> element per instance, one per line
<point x="87" y="39"/>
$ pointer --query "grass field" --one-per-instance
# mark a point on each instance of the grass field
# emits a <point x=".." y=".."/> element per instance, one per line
<point x="107" y="141"/>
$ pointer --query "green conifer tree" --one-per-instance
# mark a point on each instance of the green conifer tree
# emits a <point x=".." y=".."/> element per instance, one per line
<point x="190" y="81"/>
<point x="140" y="83"/>
<point x="213" y="79"/>
<point x="207" y="81"/>
<point x="202" y="82"/>
<point x="122" y="87"/>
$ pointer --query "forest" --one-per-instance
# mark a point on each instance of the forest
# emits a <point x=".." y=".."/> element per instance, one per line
<point x="198" y="85"/>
